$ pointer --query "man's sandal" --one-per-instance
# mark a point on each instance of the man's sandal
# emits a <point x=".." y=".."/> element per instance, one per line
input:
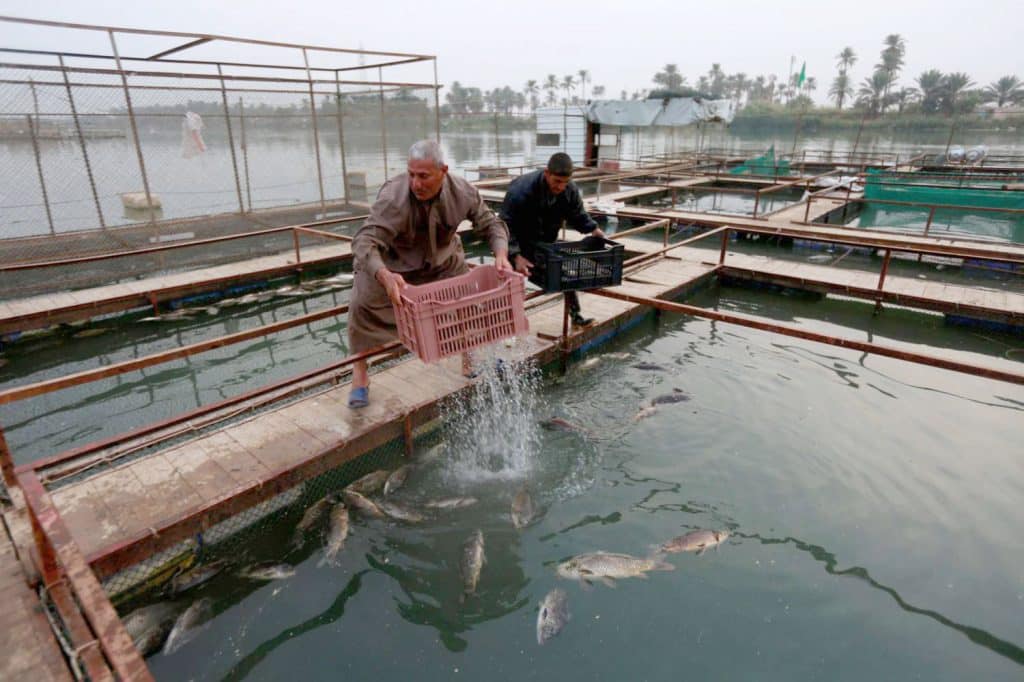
<point x="359" y="397"/>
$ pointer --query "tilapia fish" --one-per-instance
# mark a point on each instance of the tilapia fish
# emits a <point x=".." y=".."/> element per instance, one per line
<point x="365" y="506"/>
<point x="451" y="503"/>
<point x="370" y="483"/>
<point x="310" y="517"/>
<point x="196" y="576"/>
<point x="400" y="513"/>
<point x="606" y="567"/>
<point x="472" y="561"/>
<point x="648" y="366"/>
<point x="696" y="541"/>
<point x="523" y="510"/>
<point x="559" y="424"/>
<point x="676" y="396"/>
<point x="268" y="571"/>
<point x="190" y="623"/>
<point x="396" y="479"/>
<point x="148" y="626"/>
<point x="336" y="535"/>
<point x="553" y="615"/>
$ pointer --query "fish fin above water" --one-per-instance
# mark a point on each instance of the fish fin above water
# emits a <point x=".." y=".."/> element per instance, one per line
<point x="703" y="548"/>
<point x="609" y="582"/>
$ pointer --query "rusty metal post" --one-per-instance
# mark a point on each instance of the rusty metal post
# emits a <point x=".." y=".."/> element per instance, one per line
<point x="757" y="202"/>
<point x="725" y="243"/>
<point x="383" y="123"/>
<point x="7" y="463"/>
<point x="856" y="142"/>
<point x="231" y="139"/>
<point x="245" y="153"/>
<point x="316" y="134"/>
<point x="564" y="360"/>
<point x="298" y="257"/>
<point x="81" y="142"/>
<point x="437" y="104"/>
<point x="341" y="135"/>
<point x="881" y="279"/>
<point x="664" y="238"/>
<point x="928" y="225"/>
<point x="807" y="211"/>
<point x="135" y="132"/>
<point x="39" y="170"/>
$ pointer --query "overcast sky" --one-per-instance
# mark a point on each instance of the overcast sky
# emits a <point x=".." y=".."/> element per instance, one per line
<point x="495" y="43"/>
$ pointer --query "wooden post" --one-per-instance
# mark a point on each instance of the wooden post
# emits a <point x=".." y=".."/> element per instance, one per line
<point x="881" y="280"/>
<point x="725" y="243"/>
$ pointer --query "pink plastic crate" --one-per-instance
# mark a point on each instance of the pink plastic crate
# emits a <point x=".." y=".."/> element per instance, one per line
<point x="457" y="314"/>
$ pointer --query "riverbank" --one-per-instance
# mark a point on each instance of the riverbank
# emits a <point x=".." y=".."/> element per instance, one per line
<point x="823" y="120"/>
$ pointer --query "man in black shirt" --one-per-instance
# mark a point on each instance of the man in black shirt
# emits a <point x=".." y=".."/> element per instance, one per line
<point x="536" y="206"/>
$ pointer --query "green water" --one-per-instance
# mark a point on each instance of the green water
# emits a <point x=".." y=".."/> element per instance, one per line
<point x="873" y="504"/>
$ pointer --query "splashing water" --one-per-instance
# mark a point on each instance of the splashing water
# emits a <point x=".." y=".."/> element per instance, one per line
<point x="492" y="430"/>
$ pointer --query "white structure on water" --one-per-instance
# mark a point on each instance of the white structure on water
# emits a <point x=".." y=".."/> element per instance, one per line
<point x="592" y="132"/>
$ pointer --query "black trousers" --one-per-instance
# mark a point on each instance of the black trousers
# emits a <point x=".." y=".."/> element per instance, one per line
<point x="574" y="301"/>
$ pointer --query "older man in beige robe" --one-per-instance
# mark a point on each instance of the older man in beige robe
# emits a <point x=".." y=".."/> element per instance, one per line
<point x="410" y="237"/>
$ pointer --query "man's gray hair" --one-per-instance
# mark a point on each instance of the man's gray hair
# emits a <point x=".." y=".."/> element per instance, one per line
<point x="427" y="150"/>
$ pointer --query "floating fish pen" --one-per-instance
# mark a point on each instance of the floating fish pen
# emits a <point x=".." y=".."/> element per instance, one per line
<point x="231" y="496"/>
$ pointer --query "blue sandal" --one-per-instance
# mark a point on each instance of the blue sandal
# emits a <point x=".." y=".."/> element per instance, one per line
<point x="359" y="397"/>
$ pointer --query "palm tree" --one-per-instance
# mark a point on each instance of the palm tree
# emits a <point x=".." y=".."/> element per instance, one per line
<point x="841" y="89"/>
<point x="954" y="85"/>
<point x="670" y="78"/>
<point x="1004" y="91"/>
<point x="872" y="91"/>
<point x="902" y="97"/>
<point x="846" y="59"/>
<point x="568" y="83"/>
<point x="584" y="77"/>
<point x="929" y="85"/>
<point x="892" y="59"/>
<point x="551" y="86"/>
<point x="598" y="90"/>
<point x="532" y="91"/>
<point x="716" y="78"/>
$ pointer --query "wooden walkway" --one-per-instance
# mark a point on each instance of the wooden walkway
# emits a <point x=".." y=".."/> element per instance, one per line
<point x="128" y="512"/>
<point x="30" y="650"/>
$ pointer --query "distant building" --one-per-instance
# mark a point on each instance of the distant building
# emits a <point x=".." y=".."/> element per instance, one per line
<point x="592" y="132"/>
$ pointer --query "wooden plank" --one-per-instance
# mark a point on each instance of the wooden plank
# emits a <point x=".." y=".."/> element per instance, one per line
<point x="234" y="459"/>
<point x="165" y="489"/>
<point x="203" y="474"/>
<point x="323" y="416"/>
<point x="274" y="441"/>
<point x="89" y="520"/>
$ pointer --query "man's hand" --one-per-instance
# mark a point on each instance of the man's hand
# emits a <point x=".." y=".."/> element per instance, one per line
<point x="523" y="266"/>
<point x="502" y="264"/>
<point x="393" y="284"/>
<point x="598" y="232"/>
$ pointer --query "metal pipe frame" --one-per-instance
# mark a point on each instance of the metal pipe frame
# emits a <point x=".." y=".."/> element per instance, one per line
<point x="81" y="143"/>
<point x="62" y="561"/>
<point x="796" y="332"/>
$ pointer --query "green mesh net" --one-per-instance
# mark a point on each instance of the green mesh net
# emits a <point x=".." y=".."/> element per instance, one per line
<point x="766" y="164"/>
<point x="1001" y="214"/>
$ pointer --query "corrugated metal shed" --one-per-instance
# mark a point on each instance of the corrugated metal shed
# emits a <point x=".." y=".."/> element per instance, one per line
<point x="677" y="111"/>
<point x="561" y="129"/>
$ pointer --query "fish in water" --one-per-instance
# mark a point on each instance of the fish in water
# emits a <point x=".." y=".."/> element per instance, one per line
<point x="341" y="278"/>
<point x="196" y="576"/>
<point x="648" y="366"/>
<point x="522" y="509"/>
<point x="820" y="258"/>
<point x="268" y="571"/>
<point x="472" y="561"/>
<point x="645" y="412"/>
<point x="559" y="424"/>
<point x="396" y="479"/>
<point x="362" y="503"/>
<point x="553" y="615"/>
<point x="617" y="356"/>
<point x="88" y="333"/>
<point x="606" y="567"/>
<point x="401" y="513"/>
<point x="148" y="626"/>
<point x="310" y="517"/>
<point x="370" y="483"/>
<point x="590" y="362"/>
<point x="696" y="541"/>
<point x="190" y="623"/>
<point x="336" y="535"/>
<point x="432" y="454"/>
<point x="676" y="396"/>
<point x="451" y="503"/>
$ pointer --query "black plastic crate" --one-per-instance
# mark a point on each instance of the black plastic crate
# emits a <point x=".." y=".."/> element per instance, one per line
<point x="591" y="263"/>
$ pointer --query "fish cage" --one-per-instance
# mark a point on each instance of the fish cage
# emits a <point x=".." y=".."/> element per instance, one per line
<point x="144" y="139"/>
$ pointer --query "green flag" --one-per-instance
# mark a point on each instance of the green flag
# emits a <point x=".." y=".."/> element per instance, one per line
<point x="803" y="75"/>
